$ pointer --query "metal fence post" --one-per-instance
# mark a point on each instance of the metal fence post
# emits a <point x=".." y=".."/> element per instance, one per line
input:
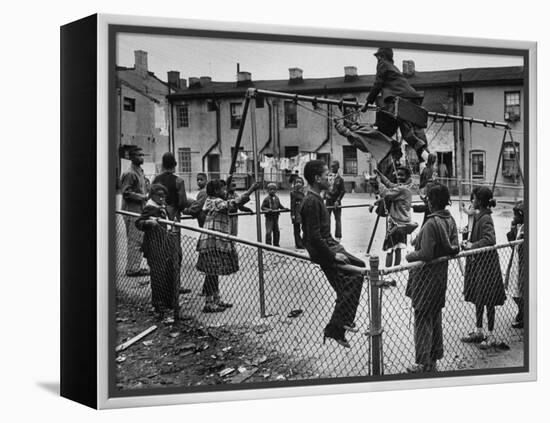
<point x="258" y="209"/>
<point x="375" y="316"/>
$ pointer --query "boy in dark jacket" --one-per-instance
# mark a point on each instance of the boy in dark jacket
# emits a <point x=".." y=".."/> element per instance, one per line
<point x="324" y="250"/>
<point x="272" y="206"/>
<point x="516" y="274"/>
<point x="427" y="285"/>
<point x="296" y="199"/>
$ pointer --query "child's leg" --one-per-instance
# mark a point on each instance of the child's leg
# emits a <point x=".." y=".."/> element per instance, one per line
<point x="397" y="256"/>
<point x="276" y="231"/>
<point x="389" y="258"/>
<point x="490" y="318"/>
<point x="479" y="317"/>
<point x="268" y="229"/>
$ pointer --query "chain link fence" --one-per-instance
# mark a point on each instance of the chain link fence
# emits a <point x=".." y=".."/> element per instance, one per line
<point x="486" y="276"/>
<point x="281" y="303"/>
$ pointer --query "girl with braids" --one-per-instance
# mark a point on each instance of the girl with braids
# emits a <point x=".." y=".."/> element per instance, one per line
<point x="483" y="283"/>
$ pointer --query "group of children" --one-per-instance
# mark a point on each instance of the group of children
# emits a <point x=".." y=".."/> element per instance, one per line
<point x="438" y="236"/>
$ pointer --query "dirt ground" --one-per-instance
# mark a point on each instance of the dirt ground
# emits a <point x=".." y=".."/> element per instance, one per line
<point x="239" y="346"/>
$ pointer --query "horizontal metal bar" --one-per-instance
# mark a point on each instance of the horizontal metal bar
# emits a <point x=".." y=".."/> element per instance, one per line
<point x="409" y="266"/>
<point x="346" y="267"/>
<point x="356" y="105"/>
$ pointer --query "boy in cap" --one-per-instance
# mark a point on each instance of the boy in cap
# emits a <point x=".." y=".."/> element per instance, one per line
<point x="272" y="206"/>
<point x="391" y="83"/>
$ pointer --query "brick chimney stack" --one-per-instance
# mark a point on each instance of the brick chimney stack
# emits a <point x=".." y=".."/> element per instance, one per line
<point x="141" y="62"/>
<point x="295" y="75"/>
<point x="350" y="73"/>
<point x="174" y="79"/>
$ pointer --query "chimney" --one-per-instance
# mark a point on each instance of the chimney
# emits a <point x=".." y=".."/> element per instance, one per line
<point x="205" y="80"/>
<point x="194" y="82"/>
<point x="140" y="62"/>
<point x="295" y="76"/>
<point x="174" y="79"/>
<point x="350" y="73"/>
<point x="408" y="68"/>
<point x="183" y="83"/>
<point x="244" y="79"/>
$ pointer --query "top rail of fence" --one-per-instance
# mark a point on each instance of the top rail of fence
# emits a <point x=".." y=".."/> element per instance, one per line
<point x="476" y="251"/>
<point x="346" y="267"/>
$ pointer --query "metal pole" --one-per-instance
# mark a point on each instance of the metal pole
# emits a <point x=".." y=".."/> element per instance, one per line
<point x="239" y="137"/>
<point x="375" y="316"/>
<point x="258" y="211"/>
<point x="498" y="162"/>
<point x="517" y="158"/>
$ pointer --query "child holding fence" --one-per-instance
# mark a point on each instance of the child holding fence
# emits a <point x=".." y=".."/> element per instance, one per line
<point x="483" y="284"/>
<point x="427" y="285"/>
<point x="218" y="256"/>
<point x="296" y="199"/>
<point x="272" y="206"/>
<point x="162" y="249"/>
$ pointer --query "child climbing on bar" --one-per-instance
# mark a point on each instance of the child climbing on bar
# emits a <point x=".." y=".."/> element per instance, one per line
<point x="218" y="256"/>
<point x="398" y="198"/>
<point x="483" y="284"/>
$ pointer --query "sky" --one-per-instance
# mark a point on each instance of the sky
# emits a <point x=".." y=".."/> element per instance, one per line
<point x="218" y="58"/>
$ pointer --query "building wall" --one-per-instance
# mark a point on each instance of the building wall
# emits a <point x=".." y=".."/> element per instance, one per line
<point x="311" y="130"/>
<point x="148" y="126"/>
<point x="489" y="104"/>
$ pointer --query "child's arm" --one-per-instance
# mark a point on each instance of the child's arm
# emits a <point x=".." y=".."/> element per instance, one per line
<point x="488" y="237"/>
<point x="265" y="204"/>
<point x="425" y="249"/>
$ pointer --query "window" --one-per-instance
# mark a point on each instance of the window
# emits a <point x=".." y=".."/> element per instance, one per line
<point x="184" y="160"/>
<point x="477" y="161"/>
<point x="182" y="111"/>
<point x="291" y="115"/>
<point x="129" y="104"/>
<point x="468" y="99"/>
<point x="512" y="106"/>
<point x="350" y="160"/>
<point x="236" y="115"/>
<point x="325" y="157"/>
<point x="509" y="159"/>
<point x="291" y="151"/>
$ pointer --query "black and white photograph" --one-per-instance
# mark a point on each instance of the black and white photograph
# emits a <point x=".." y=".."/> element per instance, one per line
<point x="297" y="211"/>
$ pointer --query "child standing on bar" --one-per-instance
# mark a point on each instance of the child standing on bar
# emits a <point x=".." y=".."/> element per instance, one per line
<point x="218" y="256"/>
<point x="427" y="285"/>
<point x="296" y="199"/>
<point x="483" y="284"/>
<point x="162" y="249"/>
<point x="272" y="206"/>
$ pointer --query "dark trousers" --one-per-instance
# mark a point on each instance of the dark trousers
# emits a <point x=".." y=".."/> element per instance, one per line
<point x="272" y="230"/>
<point x="490" y="316"/>
<point x="337" y="219"/>
<point x="165" y="280"/>
<point x="298" y="235"/>
<point x="348" y="292"/>
<point x="412" y="134"/>
<point x="211" y="285"/>
<point x="428" y="336"/>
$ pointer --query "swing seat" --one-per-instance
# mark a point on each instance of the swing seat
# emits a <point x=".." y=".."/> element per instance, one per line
<point x="411" y="112"/>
